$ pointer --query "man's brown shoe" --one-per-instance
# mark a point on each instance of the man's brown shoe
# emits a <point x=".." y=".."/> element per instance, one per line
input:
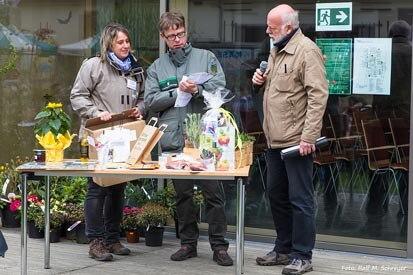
<point x="98" y="252"/>
<point x="222" y="258"/>
<point x="185" y="252"/>
<point x="117" y="248"/>
<point x="273" y="258"/>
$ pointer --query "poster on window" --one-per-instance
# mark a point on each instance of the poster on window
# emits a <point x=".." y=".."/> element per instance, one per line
<point x="337" y="55"/>
<point x="372" y="66"/>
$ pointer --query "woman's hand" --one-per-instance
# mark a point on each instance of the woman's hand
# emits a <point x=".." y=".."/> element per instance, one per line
<point x="105" y="116"/>
<point x="136" y="113"/>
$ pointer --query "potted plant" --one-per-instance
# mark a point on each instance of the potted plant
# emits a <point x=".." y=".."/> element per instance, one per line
<point x="192" y="133"/>
<point x="152" y="218"/>
<point x="56" y="221"/>
<point x="192" y="129"/>
<point x="35" y="217"/>
<point x="243" y="155"/>
<point x="130" y="223"/>
<point x="52" y="130"/>
<point x="11" y="211"/>
<point x="10" y="181"/>
<point x="73" y="216"/>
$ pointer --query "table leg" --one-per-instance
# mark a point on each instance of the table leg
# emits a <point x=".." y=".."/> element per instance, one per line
<point x="47" y="226"/>
<point x="239" y="268"/>
<point x="23" y="249"/>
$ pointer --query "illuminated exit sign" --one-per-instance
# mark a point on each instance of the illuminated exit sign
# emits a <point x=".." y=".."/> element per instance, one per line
<point x="334" y="16"/>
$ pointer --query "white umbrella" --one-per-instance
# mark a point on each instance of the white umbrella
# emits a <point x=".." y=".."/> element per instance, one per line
<point x="81" y="48"/>
<point x="19" y="42"/>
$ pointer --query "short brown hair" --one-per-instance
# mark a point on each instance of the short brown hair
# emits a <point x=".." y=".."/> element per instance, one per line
<point x="171" y="20"/>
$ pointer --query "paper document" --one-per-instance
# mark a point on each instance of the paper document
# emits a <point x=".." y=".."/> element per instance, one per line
<point x="183" y="98"/>
<point x="200" y="78"/>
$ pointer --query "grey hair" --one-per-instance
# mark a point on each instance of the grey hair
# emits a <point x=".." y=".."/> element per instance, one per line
<point x="108" y="34"/>
<point x="290" y="18"/>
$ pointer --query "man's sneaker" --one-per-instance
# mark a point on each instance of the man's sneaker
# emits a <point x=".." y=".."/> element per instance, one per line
<point x="98" y="252"/>
<point x="185" y="252"/>
<point x="273" y="258"/>
<point x="297" y="266"/>
<point x="222" y="258"/>
<point x="117" y="248"/>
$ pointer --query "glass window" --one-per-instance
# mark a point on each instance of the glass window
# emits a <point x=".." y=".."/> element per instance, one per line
<point x="42" y="45"/>
<point x="351" y="203"/>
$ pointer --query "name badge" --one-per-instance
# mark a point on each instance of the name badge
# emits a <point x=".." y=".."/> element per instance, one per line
<point x="131" y="84"/>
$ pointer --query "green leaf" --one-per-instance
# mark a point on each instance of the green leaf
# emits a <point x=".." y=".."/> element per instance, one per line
<point x="42" y="114"/>
<point x="55" y="124"/>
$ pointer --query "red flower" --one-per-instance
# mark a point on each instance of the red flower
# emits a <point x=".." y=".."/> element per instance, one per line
<point x="32" y="198"/>
<point x="15" y="205"/>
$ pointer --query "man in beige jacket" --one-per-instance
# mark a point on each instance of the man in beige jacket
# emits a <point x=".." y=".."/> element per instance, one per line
<point x="295" y="98"/>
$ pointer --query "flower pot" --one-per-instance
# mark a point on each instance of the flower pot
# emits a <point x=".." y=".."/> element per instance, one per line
<point x="9" y="219"/>
<point x="33" y="231"/>
<point x="132" y="236"/>
<point x="54" y="155"/>
<point x="70" y="235"/>
<point x="55" y="235"/>
<point x="81" y="234"/>
<point x="154" y="236"/>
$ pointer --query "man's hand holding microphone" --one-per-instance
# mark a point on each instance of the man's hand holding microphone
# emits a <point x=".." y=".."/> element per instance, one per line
<point x="260" y="76"/>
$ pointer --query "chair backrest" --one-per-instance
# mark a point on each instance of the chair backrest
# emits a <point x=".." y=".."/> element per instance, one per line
<point x="400" y="131"/>
<point x="340" y="124"/>
<point x="400" y="134"/>
<point x="379" y="152"/>
<point x="359" y="116"/>
<point x="251" y="125"/>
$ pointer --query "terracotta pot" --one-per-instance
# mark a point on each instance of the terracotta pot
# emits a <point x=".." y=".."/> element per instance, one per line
<point x="132" y="236"/>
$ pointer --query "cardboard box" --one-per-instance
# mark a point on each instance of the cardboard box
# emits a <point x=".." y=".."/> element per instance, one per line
<point x="95" y="127"/>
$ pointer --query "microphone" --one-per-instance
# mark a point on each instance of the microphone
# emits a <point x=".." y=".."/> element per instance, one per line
<point x="294" y="151"/>
<point x="263" y="66"/>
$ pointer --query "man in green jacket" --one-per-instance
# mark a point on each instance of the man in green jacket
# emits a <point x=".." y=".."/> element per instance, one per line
<point x="164" y="78"/>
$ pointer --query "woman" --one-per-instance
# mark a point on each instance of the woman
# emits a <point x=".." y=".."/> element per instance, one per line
<point x="107" y="84"/>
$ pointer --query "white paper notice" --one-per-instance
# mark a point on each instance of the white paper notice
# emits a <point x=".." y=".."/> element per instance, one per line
<point x="200" y="78"/>
<point x="182" y="98"/>
<point x="372" y="66"/>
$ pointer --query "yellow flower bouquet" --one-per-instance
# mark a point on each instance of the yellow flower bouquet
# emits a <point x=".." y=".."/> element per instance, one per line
<point x="52" y="130"/>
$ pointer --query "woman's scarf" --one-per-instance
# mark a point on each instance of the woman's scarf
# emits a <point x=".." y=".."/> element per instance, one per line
<point x="124" y="65"/>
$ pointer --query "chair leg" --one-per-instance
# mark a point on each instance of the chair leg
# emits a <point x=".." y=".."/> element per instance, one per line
<point x="258" y="163"/>
<point x="396" y="181"/>
<point x="368" y="189"/>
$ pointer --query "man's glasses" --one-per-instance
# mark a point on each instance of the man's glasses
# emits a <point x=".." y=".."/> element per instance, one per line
<point x="173" y="37"/>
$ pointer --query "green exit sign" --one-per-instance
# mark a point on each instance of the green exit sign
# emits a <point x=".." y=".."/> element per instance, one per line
<point x="334" y="16"/>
